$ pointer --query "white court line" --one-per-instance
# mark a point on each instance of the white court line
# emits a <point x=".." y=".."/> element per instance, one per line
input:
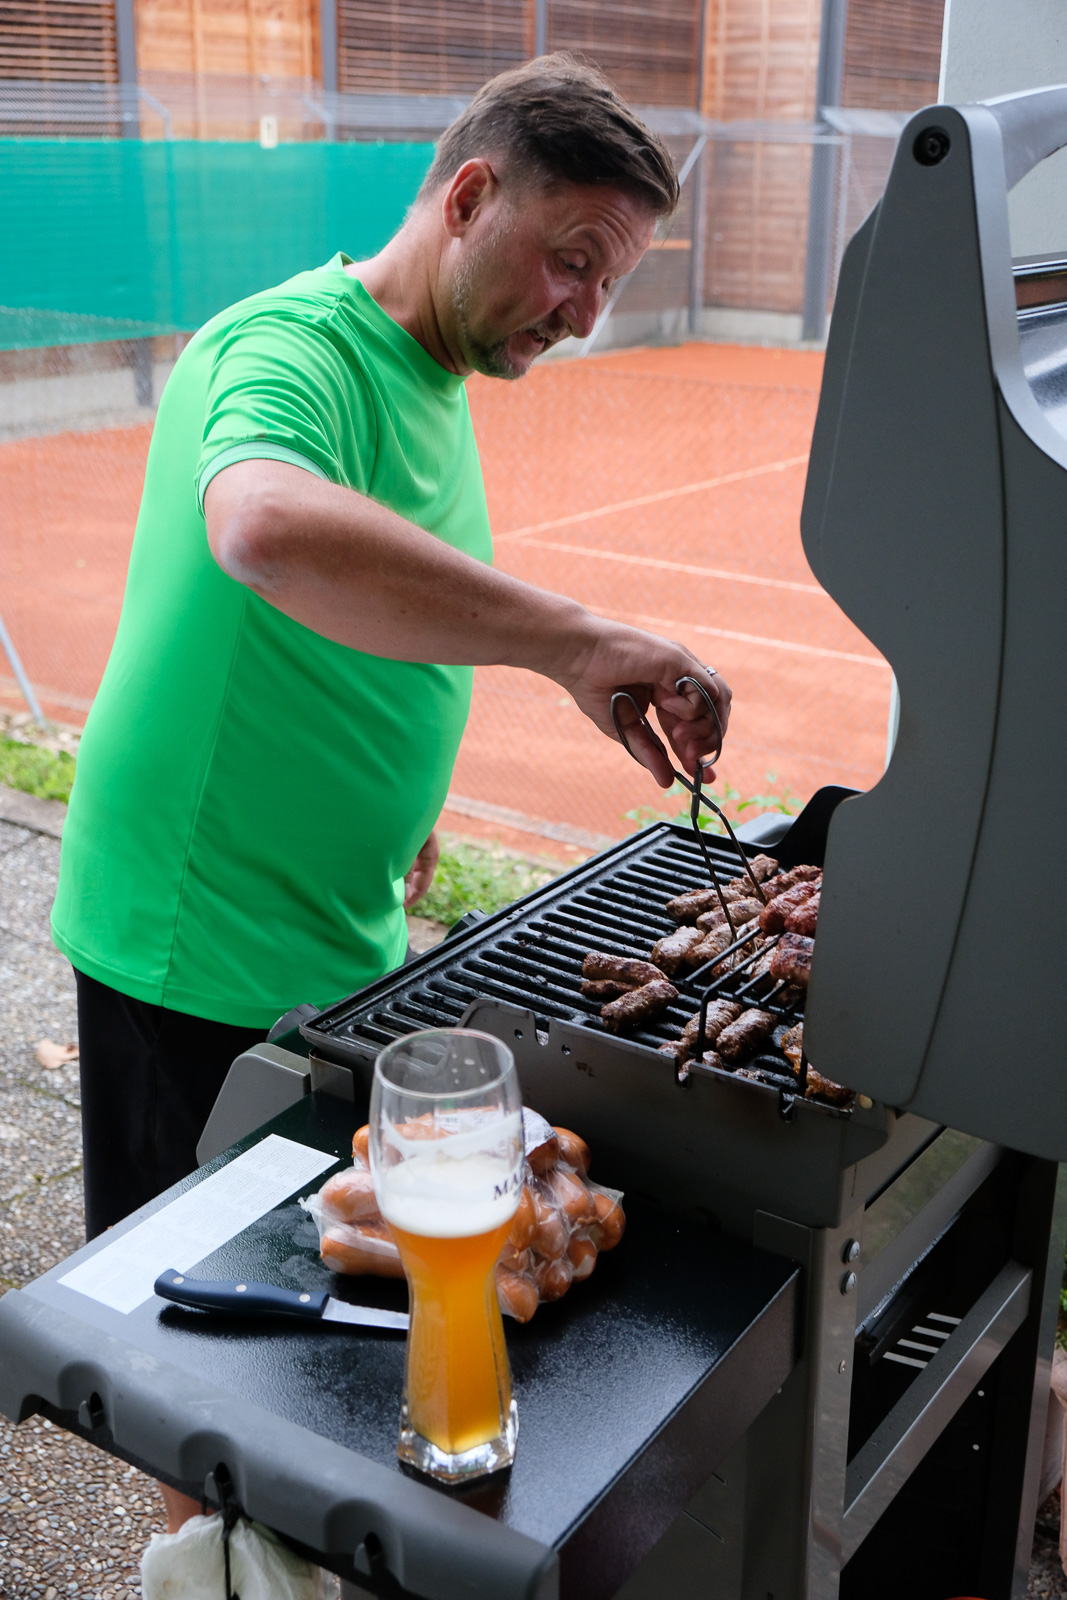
<point x="669" y="626"/>
<point x="676" y="566"/>
<point x="652" y="499"/>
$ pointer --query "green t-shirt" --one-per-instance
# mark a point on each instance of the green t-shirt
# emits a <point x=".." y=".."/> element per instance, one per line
<point x="249" y="795"/>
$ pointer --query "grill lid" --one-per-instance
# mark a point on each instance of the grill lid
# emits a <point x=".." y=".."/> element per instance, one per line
<point x="934" y="514"/>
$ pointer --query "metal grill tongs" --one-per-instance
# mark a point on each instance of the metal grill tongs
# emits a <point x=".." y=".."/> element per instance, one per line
<point x="693" y="785"/>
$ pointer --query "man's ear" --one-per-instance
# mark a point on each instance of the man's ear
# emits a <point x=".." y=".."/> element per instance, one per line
<point x="468" y="192"/>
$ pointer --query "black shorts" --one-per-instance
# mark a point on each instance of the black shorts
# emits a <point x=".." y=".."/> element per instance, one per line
<point x="149" y="1078"/>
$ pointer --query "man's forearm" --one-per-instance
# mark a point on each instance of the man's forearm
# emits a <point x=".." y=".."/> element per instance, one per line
<point x="356" y="572"/>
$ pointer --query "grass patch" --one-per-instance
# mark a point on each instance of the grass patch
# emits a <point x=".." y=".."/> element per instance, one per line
<point x="48" y="774"/>
<point x="478" y="877"/>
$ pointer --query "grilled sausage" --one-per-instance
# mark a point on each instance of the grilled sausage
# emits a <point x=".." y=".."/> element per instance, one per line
<point x="713" y="944"/>
<point x="709" y="920"/>
<point x="825" y="1088"/>
<point x="805" y="918"/>
<point x="638" y="1006"/>
<point x="743" y="911"/>
<point x="784" y="881"/>
<point x="623" y="970"/>
<point x="762" y="867"/>
<point x="605" y="989"/>
<point x="669" y="953"/>
<point x="793" y="1044"/>
<point x="745" y="1035"/>
<point x="676" y="1049"/>
<point x="791" y="960"/>
<point x="720" y="1015"/>
<point x="772" y="917"/>
<point x="687" y="907"/>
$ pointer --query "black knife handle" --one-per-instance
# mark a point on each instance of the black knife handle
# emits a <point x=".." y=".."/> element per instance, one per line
<point x="237" y="1297"/>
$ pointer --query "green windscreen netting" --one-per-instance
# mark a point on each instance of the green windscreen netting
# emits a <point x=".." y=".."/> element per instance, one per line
<point x="124" y="238"/>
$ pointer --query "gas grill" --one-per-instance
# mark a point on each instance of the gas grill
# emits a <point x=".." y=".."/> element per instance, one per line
<point x="695" y="1426"/>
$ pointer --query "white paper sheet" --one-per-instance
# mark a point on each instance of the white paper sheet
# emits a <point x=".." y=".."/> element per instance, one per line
<point x="203" y="1219"/>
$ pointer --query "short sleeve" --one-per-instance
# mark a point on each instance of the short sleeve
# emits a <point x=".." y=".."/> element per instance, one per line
<point x="281" y="388"/>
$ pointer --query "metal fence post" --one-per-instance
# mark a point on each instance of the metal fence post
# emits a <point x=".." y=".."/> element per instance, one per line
<point x="328" y="37"/>
<point x="823" y="171"/>
<point x="126" y="48"/>
<point x="20" y="675"/>
<point x="540" y="27"/>
<point x="699" y="205"/>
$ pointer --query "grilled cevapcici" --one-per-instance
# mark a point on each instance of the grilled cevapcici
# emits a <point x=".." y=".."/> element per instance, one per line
<point x="775" y="914"/>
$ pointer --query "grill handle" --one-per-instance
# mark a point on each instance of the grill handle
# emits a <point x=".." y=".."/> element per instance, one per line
<point x="1033" y="125"/>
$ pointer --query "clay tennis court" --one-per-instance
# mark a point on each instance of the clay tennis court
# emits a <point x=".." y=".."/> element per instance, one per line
<point x="658" y="486"/>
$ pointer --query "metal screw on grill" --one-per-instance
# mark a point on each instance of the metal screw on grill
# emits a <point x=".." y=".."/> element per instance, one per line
<point x="931" y="146"/>
<point x="849" y="1282"/>
<point x="850" y="1250"/>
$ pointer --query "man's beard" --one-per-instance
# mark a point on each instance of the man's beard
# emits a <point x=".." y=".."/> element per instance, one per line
<point x="490" y="357"/>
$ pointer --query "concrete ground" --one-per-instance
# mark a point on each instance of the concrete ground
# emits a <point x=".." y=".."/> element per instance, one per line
<point x="73" y="1521"/>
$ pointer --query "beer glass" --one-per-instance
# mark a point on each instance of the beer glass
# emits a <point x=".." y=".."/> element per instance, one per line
<point x="446" y="1153"/>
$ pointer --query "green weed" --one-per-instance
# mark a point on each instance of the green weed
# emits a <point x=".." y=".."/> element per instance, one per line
<point x="727" y="798"/>
<point x="478" y="877"/>
<point x="48" y="774"/>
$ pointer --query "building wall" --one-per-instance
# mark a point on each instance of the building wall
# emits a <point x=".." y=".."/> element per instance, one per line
<point x="760" y="64"/>
<point x="224" y="44"/>
<point x="66" y="40"/>
<point x="892" y="53"/>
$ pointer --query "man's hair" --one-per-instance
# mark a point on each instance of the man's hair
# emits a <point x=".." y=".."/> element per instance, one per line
<point x="555" y="119"/>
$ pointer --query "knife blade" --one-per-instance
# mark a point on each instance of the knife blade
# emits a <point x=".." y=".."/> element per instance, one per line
<point x="267" y="1299"/>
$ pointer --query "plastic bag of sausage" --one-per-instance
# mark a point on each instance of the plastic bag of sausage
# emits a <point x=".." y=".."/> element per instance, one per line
<point x="562" y="1223"/>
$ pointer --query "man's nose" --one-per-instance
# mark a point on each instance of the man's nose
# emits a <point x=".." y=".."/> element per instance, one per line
<point x="582" y="309"/>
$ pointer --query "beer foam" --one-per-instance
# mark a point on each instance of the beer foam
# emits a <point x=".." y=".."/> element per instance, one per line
<point x="440" y="1197"/>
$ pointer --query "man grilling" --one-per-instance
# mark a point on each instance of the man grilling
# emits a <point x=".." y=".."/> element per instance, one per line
<point x="309" y="588"/>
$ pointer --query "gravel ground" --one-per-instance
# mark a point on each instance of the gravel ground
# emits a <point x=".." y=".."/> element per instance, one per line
<point x="74" y="1521"/>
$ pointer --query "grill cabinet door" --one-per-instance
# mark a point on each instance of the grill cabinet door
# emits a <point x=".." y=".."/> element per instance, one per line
<point x="936" y="515"/>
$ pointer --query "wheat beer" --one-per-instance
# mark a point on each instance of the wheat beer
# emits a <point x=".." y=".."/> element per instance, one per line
<point x="448" y="1177"/>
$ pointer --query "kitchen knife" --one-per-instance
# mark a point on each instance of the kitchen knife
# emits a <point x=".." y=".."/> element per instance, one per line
<point x="266" y="1299"/>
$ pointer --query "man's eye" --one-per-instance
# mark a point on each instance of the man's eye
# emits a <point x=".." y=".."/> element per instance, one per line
<point x="573" y="264"/>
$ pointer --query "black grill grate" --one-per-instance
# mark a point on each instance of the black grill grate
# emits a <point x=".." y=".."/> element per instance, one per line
<point x="531" y="955"/>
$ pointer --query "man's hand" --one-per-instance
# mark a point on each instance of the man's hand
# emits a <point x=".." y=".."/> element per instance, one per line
<point x="417" y="882"/>
<point x="615" y="656"/>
